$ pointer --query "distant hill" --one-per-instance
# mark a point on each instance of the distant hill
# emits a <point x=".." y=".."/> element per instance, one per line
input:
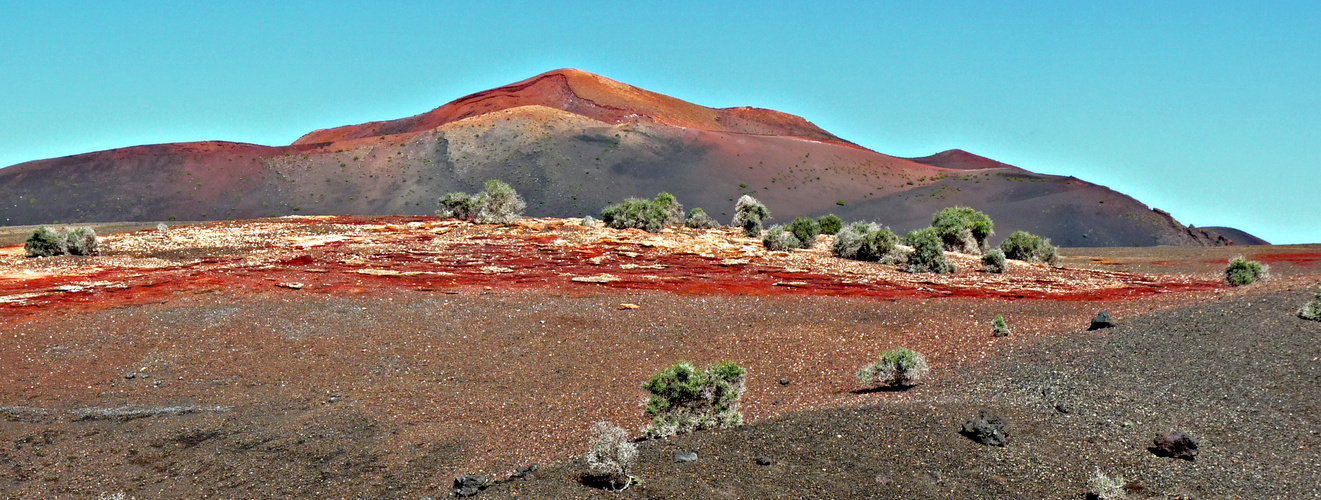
<point x="572" y="142"/>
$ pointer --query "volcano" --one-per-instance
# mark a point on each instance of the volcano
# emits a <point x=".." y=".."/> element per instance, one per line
<point x="572" y="142"/>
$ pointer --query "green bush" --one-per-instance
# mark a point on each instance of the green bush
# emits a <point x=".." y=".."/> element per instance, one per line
<point x="46" y="242"/>
<point x="1312" y="310"/>
<point x="998" y="326"/>
<point x="81" y="241"/>
<point x="962" y="229"/>
<point x="684" y="399"/>
<point x="830" y="224"/>
<point x="1241" y="272"/>
<point x="864" y="241"/>
<point x="749" y="214"/>
<point x="806" y="230"/>
<point x="698" y="219"/>
<point x="648" y="215"/>
<point x="1028" y="247"/>
<point x="928" y="253"/>
<point x="778" y="239"/>
<point x="668" y="208"/>
<point x="497" y="204"/>
<point x="897" y="368"/>
<point x="994" y="261"/>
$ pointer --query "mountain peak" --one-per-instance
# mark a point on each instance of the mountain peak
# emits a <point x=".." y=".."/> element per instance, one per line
<point x="959" y="159"/>
<point x="593" y="96"/>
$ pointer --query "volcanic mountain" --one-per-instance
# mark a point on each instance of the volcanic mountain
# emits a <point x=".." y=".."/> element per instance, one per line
<point x="572" y="142"/>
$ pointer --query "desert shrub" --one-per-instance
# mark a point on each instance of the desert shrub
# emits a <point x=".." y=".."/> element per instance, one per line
<point x="749" y="214"/>
<point x="456" y="206"/>
<point x="962" y="229"/>
<point x="684" y="399"/>
<point x="500" y="204"/>
<point x="1312" y="310"/>
<point x="830" y="224"/>
<point x="1241" y="271"/>
<point x="806" y="230"/>
<point x="779" y="239"/>
<point x="1104" y="487"/>
<point x="81" y="241"/>
<point x="669" y="208"/>
<point x="994" y="261"/>
<point x="698" y="219"/>
<point x="611" y="455"/>
<point x="900" y="367"/>
<point x="648" y="215"/>
<point x="998" y="326"/>
<point x="588" y="221"/>
<point x="497" y="204"/>
<point x="632" y="213"/>
<point x="928" y="253"/>
<point x="46" y="242"/>
<point x="1028" y="247"/>
<point x="863" y="241"/>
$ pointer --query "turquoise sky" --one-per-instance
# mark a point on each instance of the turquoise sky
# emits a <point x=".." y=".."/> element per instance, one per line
<point x="1211" y="111"/>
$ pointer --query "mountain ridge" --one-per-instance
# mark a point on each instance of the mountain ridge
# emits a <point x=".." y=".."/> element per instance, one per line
<point x="571" y="143"/>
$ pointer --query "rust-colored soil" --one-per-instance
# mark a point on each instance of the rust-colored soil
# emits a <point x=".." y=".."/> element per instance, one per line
<point x="345" y="356"/>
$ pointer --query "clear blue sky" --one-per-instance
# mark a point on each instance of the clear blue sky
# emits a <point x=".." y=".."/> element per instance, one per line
<point x="1209" y="110"/>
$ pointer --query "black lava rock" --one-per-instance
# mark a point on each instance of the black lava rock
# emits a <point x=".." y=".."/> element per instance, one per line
<point x="1102" y="320"/>
<point x="469" y="484"/>
<point x="1175" y="444"/>
<point x="763" y="460"/>
<point x="986" y="429"/>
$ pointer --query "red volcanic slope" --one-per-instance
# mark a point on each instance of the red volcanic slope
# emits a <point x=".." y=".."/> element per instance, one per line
<point x="595" y="97"/>
<point x="961" y="160"/>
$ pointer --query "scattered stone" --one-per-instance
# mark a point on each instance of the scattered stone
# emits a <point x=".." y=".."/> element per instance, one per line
<point x="733" y="262"/>
<point x="469" y="484"/>
<point x="600" y="278"/>
<point x="986" y="429"/>
<point x="763" y="460"/>
<point x="1102" y="320"/>
<point x="628" y="305"/>
<point x="883" y="479"/>
<point x="291" y="285"/>
<point x="525" y="471"/>
<point x="684" y="458"/>
<point x="784" y="381"/>
<point x="130" y="375"/>
<point x="1175" y="444"/>
<point x="1064" y="408"/>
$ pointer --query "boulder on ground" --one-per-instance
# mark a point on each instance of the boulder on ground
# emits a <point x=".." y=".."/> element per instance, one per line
<point x="986" y="429"/>
<point x="1102" y="320"/>
<point x="1175" y="444"/>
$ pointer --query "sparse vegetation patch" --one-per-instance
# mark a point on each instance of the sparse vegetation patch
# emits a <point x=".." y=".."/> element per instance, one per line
<point x="779" y="239"/>
<point x="648" y="215"/>
<point x="749" y="214"/>
<point x="684" y="399"/>
<point x="1025" y="246"/>
<point x="898" y="368"/>
<point x="1241" y="271"/>
<point x="928" y="253"/>
<point x="698" y="219"/>
<point x="830" y="224"/>
<point x="48" y="242"/>
<point x="1312" y="310"/>
<point x="962" y="229"/>
<point x="994" y="261"/>
<point x="497" y="204"/>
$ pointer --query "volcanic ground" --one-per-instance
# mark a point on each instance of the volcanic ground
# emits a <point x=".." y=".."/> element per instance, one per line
<point x="381" y="357"/>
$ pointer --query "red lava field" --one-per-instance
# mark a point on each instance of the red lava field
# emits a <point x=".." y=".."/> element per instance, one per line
<point x="383" y="356"/>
